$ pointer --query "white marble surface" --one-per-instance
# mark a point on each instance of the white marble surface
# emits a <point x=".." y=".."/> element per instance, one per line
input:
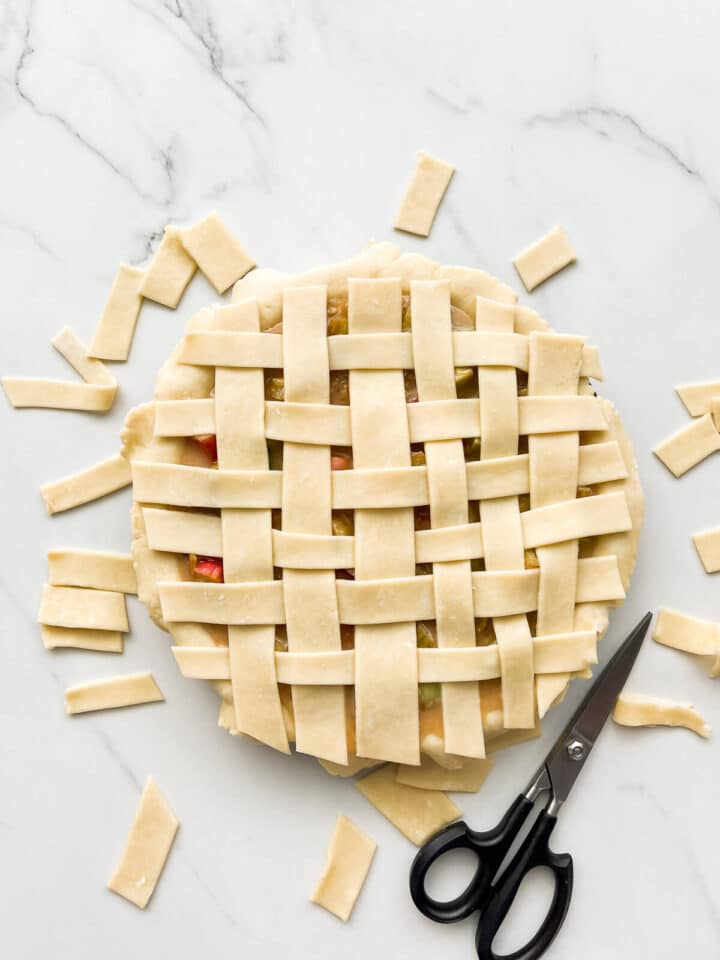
<point x="299" y="122"/>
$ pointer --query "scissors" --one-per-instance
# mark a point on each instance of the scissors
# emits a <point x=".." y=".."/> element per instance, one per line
<point x="492" y="894"/>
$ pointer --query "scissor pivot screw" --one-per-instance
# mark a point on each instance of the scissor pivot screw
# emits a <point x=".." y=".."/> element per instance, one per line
<point x="576" y="750"/>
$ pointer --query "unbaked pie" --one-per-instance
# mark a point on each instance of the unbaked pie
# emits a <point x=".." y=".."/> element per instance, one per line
<point x="380" y="508"/>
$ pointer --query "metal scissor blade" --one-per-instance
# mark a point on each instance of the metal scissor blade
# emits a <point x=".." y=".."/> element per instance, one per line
<point x="567" y="757"/>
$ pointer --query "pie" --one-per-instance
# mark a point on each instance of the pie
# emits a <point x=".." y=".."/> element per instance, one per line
<point x="380" y="508"/>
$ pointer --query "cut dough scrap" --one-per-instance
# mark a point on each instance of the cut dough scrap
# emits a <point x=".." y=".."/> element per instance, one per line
<point x="707" y="544"/>
<point x="219" y="254"/>
<point x="71" y="348"/>
<point x="416" y="813"/>
<point x="698" y="397"/>
<point x="114" y="332"/>
<point x="431" y="776"/>
<point x="91" y="484"/>
<point x="125" y="691"/>
<point x="511" y="738"/>
<point x="82" y="609"/>
<point x="95" y="569"/>
<point x="544" y="258"/>
<point x="79" y="638"/>
<point x="354" y="765"/>
<point x="146" y="848"/>
<point x="58" y="394"/>
<point x="349" y="857"/>
<point x="689" y="445"/>
<point x="169" y="272"/>
<point x="96" y="395"/>
<point x="686" y="633"/>
<point x="636" y="710"/>
<point x="423" y="195"/>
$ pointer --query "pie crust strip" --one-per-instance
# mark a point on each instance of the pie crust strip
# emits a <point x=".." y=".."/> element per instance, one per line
<point x="219" y="255"/>
<point x="388" y="601"/>
<point x="417" y="813"/>
<point x="369" y="351"/>
<point x="247" y="541"/>
<point x="108" y="694"/>
<point x="707" y="544"/>
<point x="448" y="496"/>
<point x="689" y="634"/>
<point x="79" y="608"/>
<point x="501" y="524"/>
<point x="181" y="531"/>
<point x="95" y="395"/>
<point x="698" y="397"/>
<point x="94" y="569"/>
<point x="311" y="606"/>
<point x="73" y="350"/>
<point x="554" y="477"/>
<point x="91" y="484"/>
<point x="431" y="178"/>
<point x="115" y="330"/>
<point x="386" y="692"/>
<point x="544" y="258"/>
<point x="689" y="445"/>
<point x="635" y="710"/>
<point x="348" y="861"/>
<point x="81" y="638"/>
<point x="362" y="488"/>
<point x="453" y="665"/>
<point x="169" y="272"/>
<point x="58" y="394"/>
<point x="146" y="848"/>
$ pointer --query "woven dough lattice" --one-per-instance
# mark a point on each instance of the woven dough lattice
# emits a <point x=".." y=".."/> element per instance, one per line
<point x="476" y="478"/>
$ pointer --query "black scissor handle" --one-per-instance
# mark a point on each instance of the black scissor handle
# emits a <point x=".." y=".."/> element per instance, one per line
<point x="490" y="847"/>
<point x="534" y="852"/>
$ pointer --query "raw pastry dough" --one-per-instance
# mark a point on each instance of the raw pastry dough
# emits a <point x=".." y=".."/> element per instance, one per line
<point x="349" y="857"/>
<point x="689" y="445"/>
<point x="82" y="609"/>
<point x="544" y="258"/>
<point x="686" y="633"/>
<point x="468" y="778"/>
<point x="91" y="484"/>
<point x="58" y="394"/>
<point x="707" y="544"/>
<point x="426" y="189"/>
<point x="220" y="256"/>
<point x="416" y="813"/>
<point x="115" y="330"/>
<point x="113" y="692"/>
<point x="169" y="272"/>
<point x="400" y="551"/>
<point x="81" y="638"/>
<point x="96" y="395"/>
<point x="511" y="738"/>
<point x="146" y="848"/>
<point x="698" y="397"/>
<point x="635" y="710"/>
<point x="95" y="569"/>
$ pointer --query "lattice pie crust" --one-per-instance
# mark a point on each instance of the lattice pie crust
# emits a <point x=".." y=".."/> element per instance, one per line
<point x="423" y="511"/>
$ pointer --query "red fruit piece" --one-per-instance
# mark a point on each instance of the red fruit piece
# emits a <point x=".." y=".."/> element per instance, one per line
<point x="208" y="442"/>
<point x="340" y="461"/>
<point x="209" y="567"/>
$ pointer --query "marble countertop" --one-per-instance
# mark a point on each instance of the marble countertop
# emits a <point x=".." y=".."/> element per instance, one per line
<point x="299" y="123"/>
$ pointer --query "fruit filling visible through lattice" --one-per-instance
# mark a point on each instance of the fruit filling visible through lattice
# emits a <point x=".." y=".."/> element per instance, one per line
<point x="398" y="507"/>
